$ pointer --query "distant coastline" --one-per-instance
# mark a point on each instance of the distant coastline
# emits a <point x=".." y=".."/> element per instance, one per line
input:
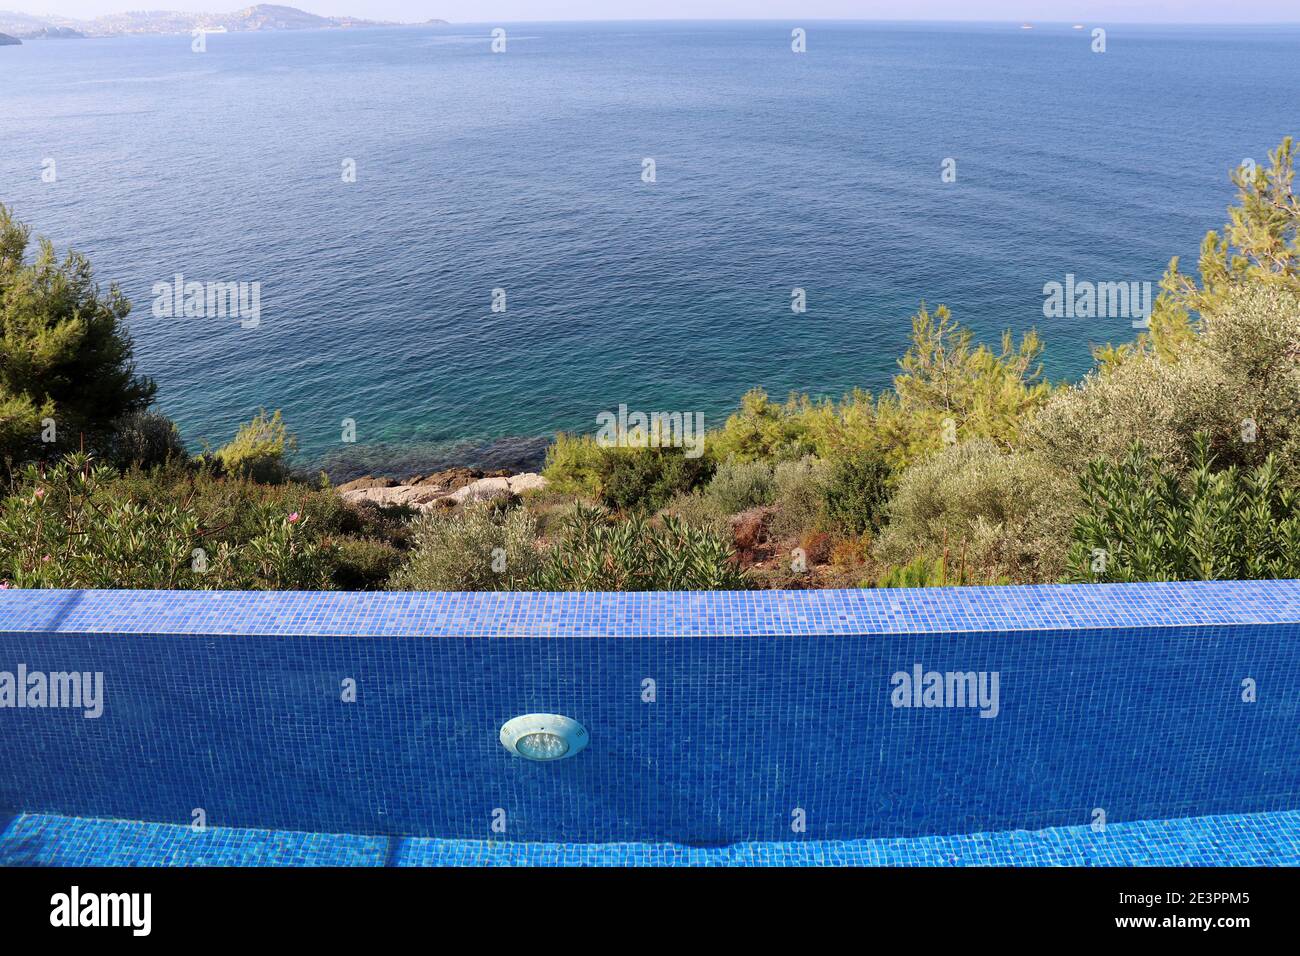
<point x="259" y="18"/>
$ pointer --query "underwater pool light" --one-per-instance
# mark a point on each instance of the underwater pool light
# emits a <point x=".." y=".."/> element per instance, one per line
<point x="543" y="736"/>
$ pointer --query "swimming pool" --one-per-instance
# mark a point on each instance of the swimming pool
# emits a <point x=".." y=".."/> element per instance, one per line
<point x="1105" y="724"/>
<point x="1265" y="839"/>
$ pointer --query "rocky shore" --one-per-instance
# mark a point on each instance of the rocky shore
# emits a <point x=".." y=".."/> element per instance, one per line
<point x="441" y="489"/>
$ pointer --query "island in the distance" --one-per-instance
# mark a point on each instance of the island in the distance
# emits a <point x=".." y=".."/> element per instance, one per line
<point x="7" y="40"/>
<point x="261" y="17"/>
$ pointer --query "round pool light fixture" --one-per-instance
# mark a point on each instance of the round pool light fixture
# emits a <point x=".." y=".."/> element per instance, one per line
<point x="543" y="736"/>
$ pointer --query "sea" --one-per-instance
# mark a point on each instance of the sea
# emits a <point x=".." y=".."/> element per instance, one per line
<point x="462" y="241"/>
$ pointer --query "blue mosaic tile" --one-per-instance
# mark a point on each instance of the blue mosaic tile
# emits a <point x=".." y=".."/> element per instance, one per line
<point x="770" y="709"/>
<point x="853" y="612"/>
<point x="46" y="840"/>
<point x="1267" y="839"/>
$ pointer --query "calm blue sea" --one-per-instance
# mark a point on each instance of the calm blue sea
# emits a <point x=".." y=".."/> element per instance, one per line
<point x="523" y="171"/>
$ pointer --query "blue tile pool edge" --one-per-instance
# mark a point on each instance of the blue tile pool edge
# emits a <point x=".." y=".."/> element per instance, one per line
<point x="1261" y="839"/>
<point x="1010" y="608"/>
<point x="255" y="726"/>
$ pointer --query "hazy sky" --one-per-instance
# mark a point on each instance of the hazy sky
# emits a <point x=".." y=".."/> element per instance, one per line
<point x="478" y="11"/>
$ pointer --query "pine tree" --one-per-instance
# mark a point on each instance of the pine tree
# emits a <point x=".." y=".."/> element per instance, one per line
<point x="64" y="354"/>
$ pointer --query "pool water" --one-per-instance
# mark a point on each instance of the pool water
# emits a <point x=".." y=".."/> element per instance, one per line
<point x="1135" y="700"/>
<point x="1258" y="839"/>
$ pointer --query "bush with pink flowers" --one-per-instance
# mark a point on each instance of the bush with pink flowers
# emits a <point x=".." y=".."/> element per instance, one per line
<point x="77" y="524"/>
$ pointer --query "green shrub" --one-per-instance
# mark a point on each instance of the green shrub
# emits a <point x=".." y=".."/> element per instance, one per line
<point x="550" y="512"/>
<point x="1221" y="358"/>
<point x="1236" y="380"/>
<point x="761" y="430"/>
<point x="927" y="572"/>
<point x="258" y="450"/>
<point x="64" y="352"/>
<point x="638" y="480"/>
<point x="855" y="491"/>
<point x="699" y="510"/>
<point x="364" y="564"/>
<point x="739" y="486"/>
<point x="1258" y="247"/>
<point x="352" y="547"/>
<point x="362" y="519"/>
<point x="627" y="479"/>
<point x="952" y="390"/>
<point x="1000" y="514"/>
<point x="593" y="554"/>
<point x="145" y="440"/>
<point x="480" y="548"/>
<point x="800" y="497"/>
<point x="77" y="526"/>
<point x="575" y="465"/>
<point x="1143" y="522"/>
<point x="281" y="557"/>
<point x="949" y="389"/>
<point x="231" y="507"/>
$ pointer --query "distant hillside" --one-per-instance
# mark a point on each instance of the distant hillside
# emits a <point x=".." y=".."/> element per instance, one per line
<point x="260" y="17"/>
<point x="56" y="33"/>
<point x="272" y="16"/>
<point x="20" y="24"/>
<point x="7" y="40"/>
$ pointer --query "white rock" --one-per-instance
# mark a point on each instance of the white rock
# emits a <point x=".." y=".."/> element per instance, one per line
<point x="412" y="495"/>
<point x="425" y="498"/>
<point x="485" y="489"/>
<point x="482" y="490"/>
<point x="529" y="481"/>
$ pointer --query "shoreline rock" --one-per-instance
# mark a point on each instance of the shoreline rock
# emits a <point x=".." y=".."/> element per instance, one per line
<point x="441" y="489"/>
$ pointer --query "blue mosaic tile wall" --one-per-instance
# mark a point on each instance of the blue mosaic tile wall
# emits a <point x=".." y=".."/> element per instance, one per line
<point x="1263" y="839"/>
<point x="770" y="708"/>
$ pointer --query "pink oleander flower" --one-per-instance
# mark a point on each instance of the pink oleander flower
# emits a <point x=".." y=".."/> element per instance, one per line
<point x="293" y="518"/>
<point x="4" y="585"/>
<point x="46" y="558"/>
<point x="40" y="492"/>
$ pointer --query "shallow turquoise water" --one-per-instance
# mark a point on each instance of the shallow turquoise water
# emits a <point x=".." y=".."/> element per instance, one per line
<point x="1260" y="839"/>
<point x="522" y="170"/>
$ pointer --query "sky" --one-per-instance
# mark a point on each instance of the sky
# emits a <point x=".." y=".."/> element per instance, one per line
<point x="504" y="11"/>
